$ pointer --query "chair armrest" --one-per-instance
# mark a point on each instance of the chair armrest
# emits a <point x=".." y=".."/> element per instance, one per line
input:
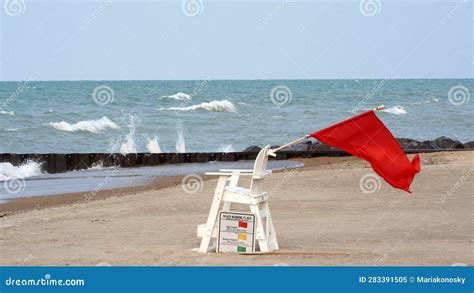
<point x="242" y="171"/>
<point x="261" y="175"/>
<point x="226" y="174"/>
<point x="237" y="170"/>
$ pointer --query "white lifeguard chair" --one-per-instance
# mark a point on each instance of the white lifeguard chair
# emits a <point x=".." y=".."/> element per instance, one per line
<point x="228" y="192"/>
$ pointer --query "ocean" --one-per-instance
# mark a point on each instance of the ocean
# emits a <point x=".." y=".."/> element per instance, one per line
<point x="210" y="115"/>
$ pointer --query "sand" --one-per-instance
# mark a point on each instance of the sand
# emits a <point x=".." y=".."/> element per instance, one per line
<point x="320" y="213"/>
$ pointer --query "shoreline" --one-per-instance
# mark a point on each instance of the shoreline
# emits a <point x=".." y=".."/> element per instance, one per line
<point x="25" y="204"/>
<point x="140" y="179"/>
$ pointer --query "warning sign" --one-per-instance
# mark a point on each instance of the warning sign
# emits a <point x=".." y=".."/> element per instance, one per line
<point x="236" y="232"/>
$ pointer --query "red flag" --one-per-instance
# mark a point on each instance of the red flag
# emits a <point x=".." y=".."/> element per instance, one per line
<point x="366" y="137"/>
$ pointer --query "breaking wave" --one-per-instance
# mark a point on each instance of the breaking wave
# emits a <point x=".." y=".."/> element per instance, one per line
<point x="153" y="146"/>
<point x="214" y="106"/>
<point x="397" y="110"/>
<point x="94" y="126"/>
<point x="129" y="146"/>
<point x="10" y="172"/>
<point x="178" y="96"/>
<point x="180" y="142"/>
<point x="11" y="113"/>
<point x="433" y="100"/>
<point x="228" y="148"/>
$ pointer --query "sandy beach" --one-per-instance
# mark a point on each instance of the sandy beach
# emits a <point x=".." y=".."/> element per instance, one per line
<point x="321" y="216"/>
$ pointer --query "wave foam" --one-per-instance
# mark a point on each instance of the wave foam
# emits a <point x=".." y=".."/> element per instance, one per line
<point x="178" y="96"/>
<point x="433" y="100"/>
<point x="180" y="142"/>
<point x="228" y="148"/>
<point x="129" y="146"/>
<point x="97" y="166"/>
<point x="11" y="113"/>
<point x="29" y="169"/>
<point x="397" y="110"/>
<point x="153" y="146"/>
<point x="214" y="106"/>
<point x="94" y="126"/>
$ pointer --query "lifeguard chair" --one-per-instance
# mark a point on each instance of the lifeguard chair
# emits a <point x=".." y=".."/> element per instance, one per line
<point x="228" y="192"/>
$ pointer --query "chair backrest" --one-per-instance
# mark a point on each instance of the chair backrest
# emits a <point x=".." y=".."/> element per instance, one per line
<point x="259" y="170"/>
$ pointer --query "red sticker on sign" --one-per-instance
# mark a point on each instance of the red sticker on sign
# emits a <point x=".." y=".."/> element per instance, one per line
<point x="242" y="224"/>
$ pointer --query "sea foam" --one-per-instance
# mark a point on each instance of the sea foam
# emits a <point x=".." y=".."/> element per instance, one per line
<point x="94" y="126"/>
<point x="178" y="96"/>
<point x="153" y="146"/>
<point x="10" y="172"/>
<point x="180" y="142"/>
<point x="214" y="106"/>
<point x="397" y="110"/>
<point x="11" y="113"/>
<point x="129" y="146"/>
<point x="228" y="148"/>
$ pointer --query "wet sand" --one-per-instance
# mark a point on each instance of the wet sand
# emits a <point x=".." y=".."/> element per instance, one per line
<point x="321" y="216"/>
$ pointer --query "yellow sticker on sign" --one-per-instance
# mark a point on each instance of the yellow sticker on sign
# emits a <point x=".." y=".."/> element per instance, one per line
<point x="242" y="236"/>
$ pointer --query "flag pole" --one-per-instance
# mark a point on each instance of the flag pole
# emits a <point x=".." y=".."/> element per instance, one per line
<point x="272" y="151"/>
<point x="381" y="107"/>
<point x="291" y="143"/>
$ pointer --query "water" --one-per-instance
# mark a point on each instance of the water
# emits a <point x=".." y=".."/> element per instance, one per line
<point x="199" y="116"/>
<point x="97" y="178"/>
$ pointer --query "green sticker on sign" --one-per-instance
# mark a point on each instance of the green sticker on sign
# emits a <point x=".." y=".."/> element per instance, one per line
<point x="241" y="249"/>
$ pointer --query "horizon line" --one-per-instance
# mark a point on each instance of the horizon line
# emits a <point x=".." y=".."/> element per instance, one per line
<point x="243" y="79"/>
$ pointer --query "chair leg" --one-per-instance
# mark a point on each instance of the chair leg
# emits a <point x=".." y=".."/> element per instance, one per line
<point x="261" y="235"/>
<point x="211" y="220"/>
<point x="272" y="237"/>
<point x="225" y="208"/>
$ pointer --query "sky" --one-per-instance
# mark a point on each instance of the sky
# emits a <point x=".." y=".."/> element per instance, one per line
<point x="191" y="39"/>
